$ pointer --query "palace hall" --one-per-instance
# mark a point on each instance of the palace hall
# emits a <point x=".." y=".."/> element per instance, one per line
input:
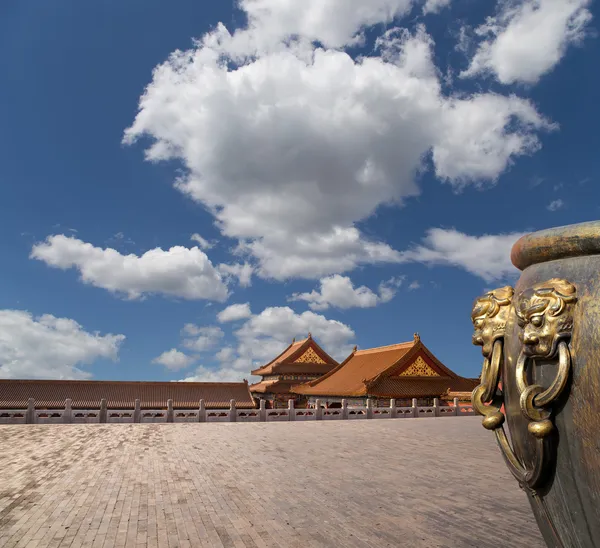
<point x="301" y="361"/>
<point x="400" y="371"/>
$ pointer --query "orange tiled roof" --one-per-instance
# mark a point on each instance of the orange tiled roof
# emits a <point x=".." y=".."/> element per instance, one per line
<point x="122" y="394"/>
<point x="376" y="371"/>
<point x="418" y="387"/>
<point x="348" y="378"/>
<point x="284" y="363"/>
<point x="275" y="386"/>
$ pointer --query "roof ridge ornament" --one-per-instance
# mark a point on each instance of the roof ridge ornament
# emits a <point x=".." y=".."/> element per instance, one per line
<point x="293" y="340"/>
<point x="355" y="348"/>
<point x="417" y="337"/>
<point x="309" y="335"/>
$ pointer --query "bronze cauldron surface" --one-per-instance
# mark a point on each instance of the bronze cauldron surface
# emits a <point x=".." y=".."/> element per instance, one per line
<point x="541" y="374"/>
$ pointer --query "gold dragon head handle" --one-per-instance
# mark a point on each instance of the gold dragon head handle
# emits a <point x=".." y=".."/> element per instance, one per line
<point x="545" y="315"/>
<point x="489" y="315"/>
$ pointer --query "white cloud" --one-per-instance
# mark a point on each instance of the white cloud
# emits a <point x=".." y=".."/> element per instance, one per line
<point x="265" y="335"/>
<point x="174" y="359"/>
<point x="200" y="339"/>
<point x="527" y="38"/>
<point x="234" y="312"/>
<point x="334" y="23"/>
<point x="202" y="242"/>
<point x="486" y="256"/>
<point x="414" y="285"/>
<point x="243" y="272"/>
<point x="178" y="272"/>
<point x="50" y="347"/>
<point x="435" y="6"/>
<point x="289" y="146"/>
<point x="220" y="374"/>
<point x="227" y="353"/>
<point x="338" y="291"/>
<point x="555" y="205"/>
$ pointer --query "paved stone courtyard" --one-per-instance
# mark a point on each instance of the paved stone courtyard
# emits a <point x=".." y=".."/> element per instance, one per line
<point x="394" y="483"/>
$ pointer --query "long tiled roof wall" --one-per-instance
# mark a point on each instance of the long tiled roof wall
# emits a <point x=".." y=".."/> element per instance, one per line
<point x="122" y="394"/>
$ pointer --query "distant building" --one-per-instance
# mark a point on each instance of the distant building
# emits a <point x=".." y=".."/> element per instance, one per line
<point x="401" y="371"/>
<point x="51" y="394"/>
<point x="300" y="362"/>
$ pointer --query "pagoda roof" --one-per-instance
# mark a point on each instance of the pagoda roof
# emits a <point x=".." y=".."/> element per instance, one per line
<point x="274" y="386"/>
<point x="293" y="359"/>
<point x="49" y="394"/>
<point x="405" y="370"/>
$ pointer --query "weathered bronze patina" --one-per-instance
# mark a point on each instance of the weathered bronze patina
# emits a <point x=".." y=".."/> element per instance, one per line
<point x="541" y="344"/>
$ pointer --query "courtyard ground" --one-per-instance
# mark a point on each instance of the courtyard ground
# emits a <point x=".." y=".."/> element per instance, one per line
<point x="394" y="483"/>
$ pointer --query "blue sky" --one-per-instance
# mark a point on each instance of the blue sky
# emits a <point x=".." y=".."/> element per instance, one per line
<point x="357" y="173"/>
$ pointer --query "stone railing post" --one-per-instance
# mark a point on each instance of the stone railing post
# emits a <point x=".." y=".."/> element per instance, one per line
<point x="170" y="414"/>
<point x="369" y="408"/>
<point x="456" y="408"/>
<point x="318" y="411"/>
<point x="415" y="408"/>
<point x="232" y="411"/>
<point x="262" y="410"/>
<point x="436" y="407"/>
<point x="137" y="412"/>
<point x="103" y="413"/>
<point x="392" y="408"/>
<point x="344" y="409"/>
<point x="291" y="410"/>
<point x="30" y="415"/>
<point x="201" y="412"/>
<point x="68" y="413"/>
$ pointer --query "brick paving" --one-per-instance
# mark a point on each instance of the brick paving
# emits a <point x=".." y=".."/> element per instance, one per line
<point x="393" y="483"/>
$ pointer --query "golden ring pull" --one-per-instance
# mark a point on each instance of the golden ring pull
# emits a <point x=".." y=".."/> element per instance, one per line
<point x="546" y="397"/>
<point x="544" y="312"/>
<point x="494" y="419"/>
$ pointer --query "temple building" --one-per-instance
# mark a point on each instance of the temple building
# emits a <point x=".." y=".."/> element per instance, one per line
<point x="300" y="362"/>
<point x="401" y="371"/>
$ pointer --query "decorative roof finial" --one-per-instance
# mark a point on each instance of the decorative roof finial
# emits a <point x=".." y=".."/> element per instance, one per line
<point x="309" y="335"/>
<point x="355" y="348"/>
<point x="293" y="340"/>
<point x="417" y="337"/>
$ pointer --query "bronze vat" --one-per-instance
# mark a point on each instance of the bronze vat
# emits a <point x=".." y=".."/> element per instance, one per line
<point x="541" y="378"/>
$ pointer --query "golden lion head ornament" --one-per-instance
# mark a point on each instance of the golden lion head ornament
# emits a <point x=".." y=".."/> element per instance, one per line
<point x="545" y="314"/>
<point x="489" y="316"/>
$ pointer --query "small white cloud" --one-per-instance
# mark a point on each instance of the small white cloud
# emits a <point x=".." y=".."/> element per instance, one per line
<point x="49" y="347"/>
<point x="435" y="6"/>
<point x="200" y="339"/>
<point x="555" y="205"/>
<point x="414" y="285"/>
<point x="203" y="243"/>
<point x="527" y="38"/>
<point x="174" y="360"/>
<point x="216" y="374"/>
<point x="338" y="291"/>
<point x="234" y="312"/>
<point x="486" y="256"/>
<point x="178" y="272"/>
<point x="266" y="334"/>
<point x="226" y="354"/>
<point x="243" y="272"/>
